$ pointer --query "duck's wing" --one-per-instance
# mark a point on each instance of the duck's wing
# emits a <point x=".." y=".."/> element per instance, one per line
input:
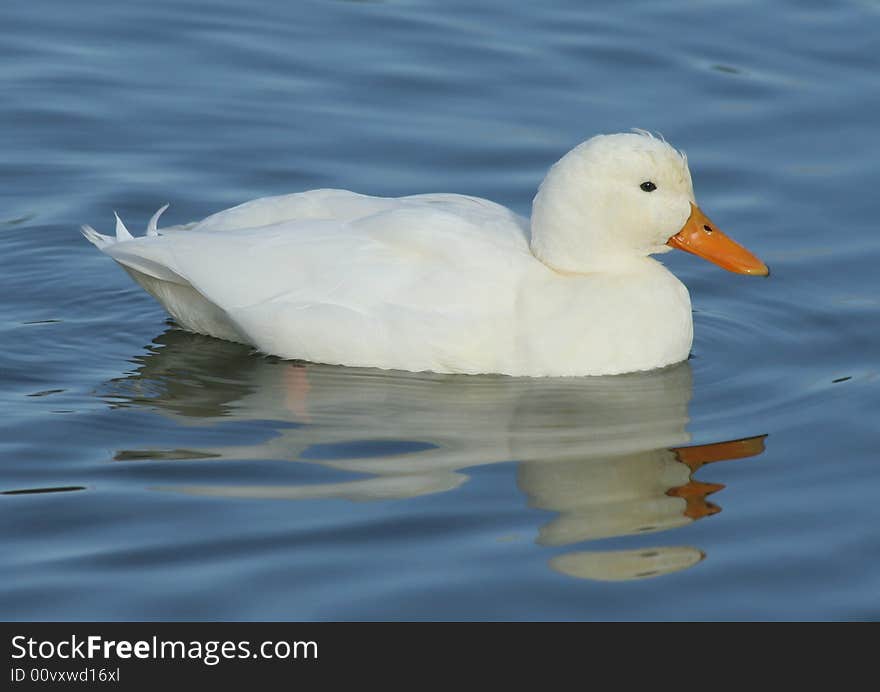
<point x="325" y="204"/>
<point x="336" y="205"/>
<point x="420" y="284"/>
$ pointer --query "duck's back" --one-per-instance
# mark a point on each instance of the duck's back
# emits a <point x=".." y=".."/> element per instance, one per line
<point x="428" y="282"/>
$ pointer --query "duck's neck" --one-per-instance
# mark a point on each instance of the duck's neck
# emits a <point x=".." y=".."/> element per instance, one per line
<point x="568" y="227"/>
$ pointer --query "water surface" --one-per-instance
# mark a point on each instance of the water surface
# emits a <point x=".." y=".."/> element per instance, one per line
<point x="152" y="474"/>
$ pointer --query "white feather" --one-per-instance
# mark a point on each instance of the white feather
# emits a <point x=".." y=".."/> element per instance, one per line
<point x="99" y="240"/>
<point x="122" y="233"/>
<point x="152" y="226"/>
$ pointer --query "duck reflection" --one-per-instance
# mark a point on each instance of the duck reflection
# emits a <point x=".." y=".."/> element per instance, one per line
<point x="607" y="455"/>
<point x="629" y="494"/>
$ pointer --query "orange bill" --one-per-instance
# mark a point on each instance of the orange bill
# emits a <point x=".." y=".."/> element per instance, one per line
<point x="699" y="455"/>
<point x="700" y="237"/>
<point x="694" y="494"/>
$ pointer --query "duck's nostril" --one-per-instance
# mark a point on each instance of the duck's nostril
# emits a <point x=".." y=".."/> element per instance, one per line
<point x="706" y="228"/>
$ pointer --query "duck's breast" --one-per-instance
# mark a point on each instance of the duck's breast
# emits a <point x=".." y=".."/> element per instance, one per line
<point x="604" y="324"/>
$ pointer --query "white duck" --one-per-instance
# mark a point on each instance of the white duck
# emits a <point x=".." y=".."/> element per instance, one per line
<point x="450" y="283"/>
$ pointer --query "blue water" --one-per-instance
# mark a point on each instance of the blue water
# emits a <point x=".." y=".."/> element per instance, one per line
<point x="171" y="476"/>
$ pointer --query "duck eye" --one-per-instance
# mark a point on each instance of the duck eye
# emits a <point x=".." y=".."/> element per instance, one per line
<point x="648" y="186"/>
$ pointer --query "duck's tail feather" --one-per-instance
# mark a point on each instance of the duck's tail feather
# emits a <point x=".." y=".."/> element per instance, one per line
<point x="122" y="233"/>
<point x="101" y="241"/>
<point x="152" y="228"/>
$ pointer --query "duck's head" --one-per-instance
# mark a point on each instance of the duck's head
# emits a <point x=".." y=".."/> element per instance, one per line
<point x="618" y="198"/>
